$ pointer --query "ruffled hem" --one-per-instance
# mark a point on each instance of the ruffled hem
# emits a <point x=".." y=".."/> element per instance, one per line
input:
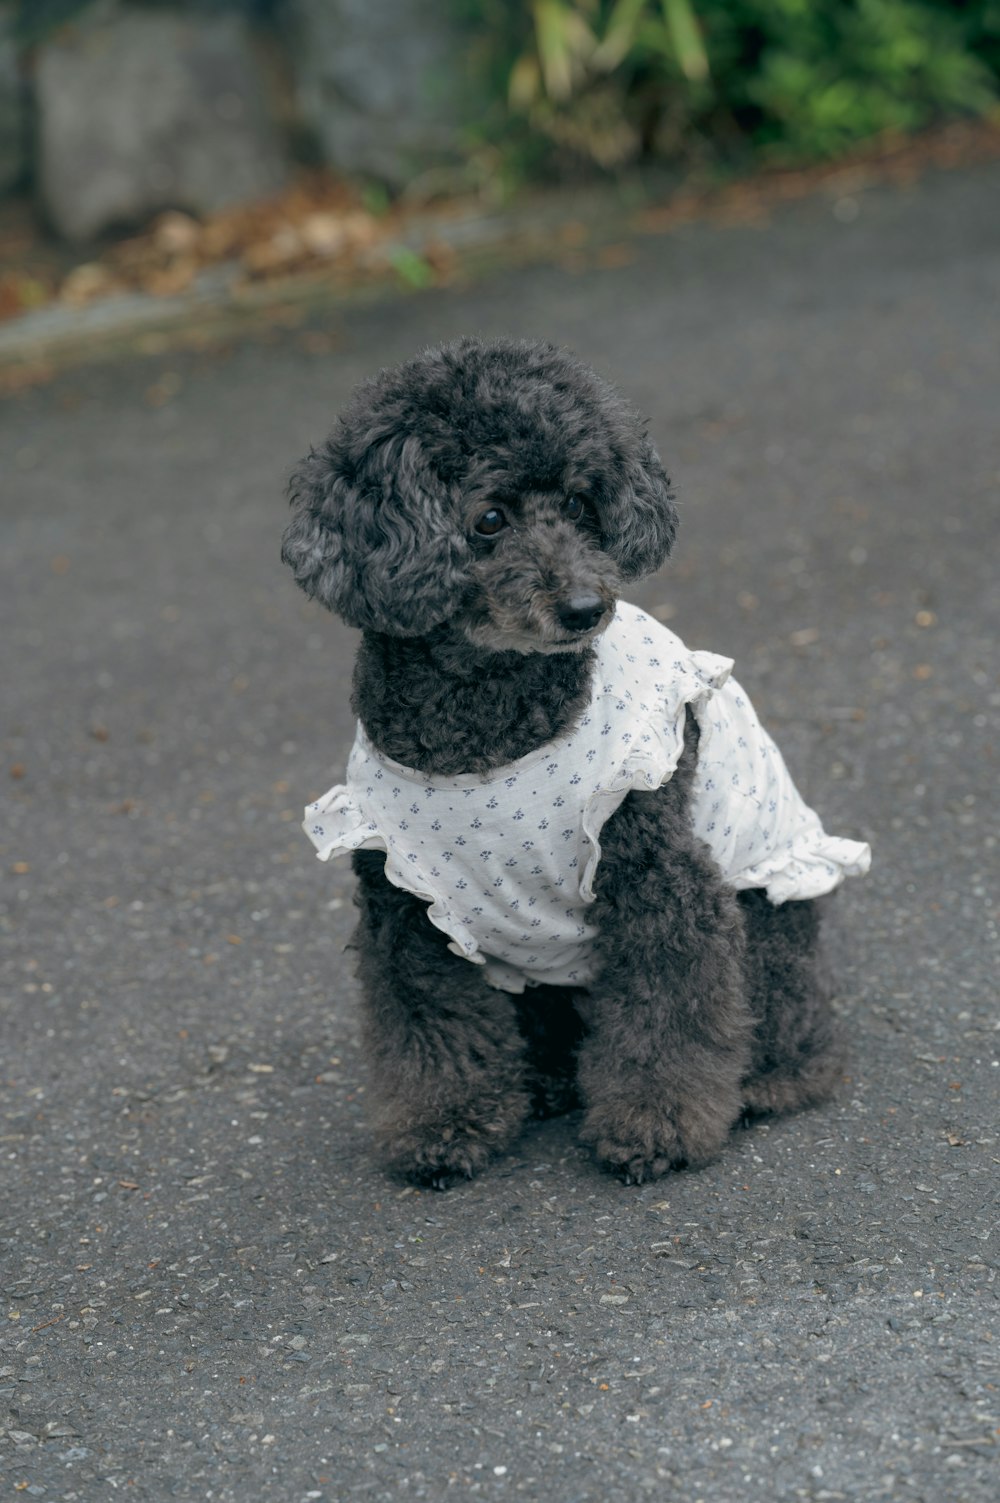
<point x="811" y="866"/>
<point x="336" y="827"/>
<point x="650" y="766"/>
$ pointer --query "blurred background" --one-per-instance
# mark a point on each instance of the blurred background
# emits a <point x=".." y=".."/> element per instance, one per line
<point x="147" y="144"/>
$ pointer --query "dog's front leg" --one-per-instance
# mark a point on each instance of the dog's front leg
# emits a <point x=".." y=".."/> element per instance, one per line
<point x="670" y="1025"/>
<point x="447" y="1059"/>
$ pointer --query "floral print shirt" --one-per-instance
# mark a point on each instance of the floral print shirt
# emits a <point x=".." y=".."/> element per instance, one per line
<point x="506" y="861"/>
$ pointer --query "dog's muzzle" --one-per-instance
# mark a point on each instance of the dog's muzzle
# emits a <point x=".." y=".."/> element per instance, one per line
<point x="580" y="613"/>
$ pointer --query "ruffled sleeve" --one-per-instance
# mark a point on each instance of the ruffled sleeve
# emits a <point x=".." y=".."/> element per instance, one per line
<point x="653" y="752"/>
<point x="809" y="865"/>
<point x="749" y="812"/>
<point x="338" y="823"/>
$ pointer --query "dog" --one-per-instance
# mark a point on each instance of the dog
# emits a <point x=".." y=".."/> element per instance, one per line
<point x="584" y="875"/>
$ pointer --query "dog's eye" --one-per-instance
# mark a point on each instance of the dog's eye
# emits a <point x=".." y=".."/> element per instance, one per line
<point x="574" y="507"/>
<point x="491" y="522"/>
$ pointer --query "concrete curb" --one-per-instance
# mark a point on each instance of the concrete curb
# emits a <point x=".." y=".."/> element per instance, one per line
<point x="467" y="240"/>
<point x="221" y="302"/>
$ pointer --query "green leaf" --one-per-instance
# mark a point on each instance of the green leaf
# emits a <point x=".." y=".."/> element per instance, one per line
<point x="411" y="268"/>
<point x="564" y="42"/>
<point x="619" y="35"/>
<point x="685" y="34"/>
<point x="525" y="82"/>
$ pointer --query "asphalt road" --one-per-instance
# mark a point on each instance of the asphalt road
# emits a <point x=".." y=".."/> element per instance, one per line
<point x="211" y="1289"/>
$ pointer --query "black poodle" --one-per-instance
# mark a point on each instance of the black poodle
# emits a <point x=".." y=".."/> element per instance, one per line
<point x="584" y="874"/>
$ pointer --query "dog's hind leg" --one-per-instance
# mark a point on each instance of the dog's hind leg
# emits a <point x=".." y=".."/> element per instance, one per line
<point x="798" y="1052"/>
<point x="446" y="1056"/>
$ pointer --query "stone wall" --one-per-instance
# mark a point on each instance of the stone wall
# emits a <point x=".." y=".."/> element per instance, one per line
<point x="380" y="83"/>
<point x="13" y="143"/>
<point x="140" y="111"/>
<point x="133" y="106"/>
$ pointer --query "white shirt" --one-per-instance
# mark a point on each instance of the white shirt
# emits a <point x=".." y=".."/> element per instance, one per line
<point x="506" y="861"/>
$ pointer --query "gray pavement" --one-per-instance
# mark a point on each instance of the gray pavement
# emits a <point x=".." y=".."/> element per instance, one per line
<point x="211" y="1289"/>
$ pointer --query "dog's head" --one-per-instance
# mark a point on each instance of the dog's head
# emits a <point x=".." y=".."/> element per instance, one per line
<point x="499" y="487"/>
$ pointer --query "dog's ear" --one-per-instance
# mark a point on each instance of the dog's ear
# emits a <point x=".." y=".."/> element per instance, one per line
<point x="370" y="537"/>
<point x="639" y="523"/>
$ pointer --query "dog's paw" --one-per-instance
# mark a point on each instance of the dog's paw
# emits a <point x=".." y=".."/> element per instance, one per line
<point x="455" y="1146"/>
<point x="641" y="1143"/>
<point x="637" y="1143"/>
<point x="438" y="1156"/>
<point x="775" y="1092"/>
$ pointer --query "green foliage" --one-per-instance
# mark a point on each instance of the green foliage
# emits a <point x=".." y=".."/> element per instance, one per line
<point x="413" y="270"/>
<point x="827" y="75"/>
<point x="609" y="81"/>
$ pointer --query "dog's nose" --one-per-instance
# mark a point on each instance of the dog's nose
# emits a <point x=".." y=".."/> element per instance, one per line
<point x="580" y="612"/>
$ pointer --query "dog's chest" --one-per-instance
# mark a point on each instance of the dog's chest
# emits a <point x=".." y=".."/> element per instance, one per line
<point x="508" y="859"/>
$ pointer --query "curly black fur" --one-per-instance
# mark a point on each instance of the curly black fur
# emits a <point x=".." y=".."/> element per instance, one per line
<point x="476" y="512"/>
<point x="382" y="529"/>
